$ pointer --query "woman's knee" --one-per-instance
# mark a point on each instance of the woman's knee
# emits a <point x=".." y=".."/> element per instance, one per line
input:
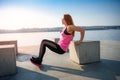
<point x="44" y="41"/>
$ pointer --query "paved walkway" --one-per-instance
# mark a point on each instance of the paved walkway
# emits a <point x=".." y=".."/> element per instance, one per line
<point x="60" y="67"/>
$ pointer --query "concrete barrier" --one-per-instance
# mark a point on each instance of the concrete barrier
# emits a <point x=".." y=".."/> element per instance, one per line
<point x="10" y="42"/>
<point x="86" y="52"/>
<point x="7" y="60"/>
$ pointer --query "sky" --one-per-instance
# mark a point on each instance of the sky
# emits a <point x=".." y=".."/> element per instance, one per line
<point x="17" y="14"/>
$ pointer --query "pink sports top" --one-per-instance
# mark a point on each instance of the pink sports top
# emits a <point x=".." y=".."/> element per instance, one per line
<point x="65" y="40"/>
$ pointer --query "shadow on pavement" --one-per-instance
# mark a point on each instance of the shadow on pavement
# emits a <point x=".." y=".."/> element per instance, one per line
<point x="24" y="74"/>
<point x="104" y="70"/>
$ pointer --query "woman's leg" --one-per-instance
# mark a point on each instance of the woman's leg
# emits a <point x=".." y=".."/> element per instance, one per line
<point x="51" y="45"/>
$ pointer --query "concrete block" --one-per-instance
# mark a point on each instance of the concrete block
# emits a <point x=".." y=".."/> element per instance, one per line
<point x="9" y="43"/>
<point x="7" y="60"/>
<point x="86" y="52"/>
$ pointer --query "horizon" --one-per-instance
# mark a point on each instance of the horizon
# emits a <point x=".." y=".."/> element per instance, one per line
<point x="17" y="14"/>
<point x="47" y="29"/>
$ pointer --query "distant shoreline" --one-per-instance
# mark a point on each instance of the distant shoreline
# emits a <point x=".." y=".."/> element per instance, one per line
<point x="56" y="29"/>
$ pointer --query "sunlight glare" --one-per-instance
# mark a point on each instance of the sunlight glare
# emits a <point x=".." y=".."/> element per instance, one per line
<point x="18" y="17"/>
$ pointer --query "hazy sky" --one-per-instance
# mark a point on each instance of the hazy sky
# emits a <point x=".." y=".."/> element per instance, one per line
<point x="15" y="14"/>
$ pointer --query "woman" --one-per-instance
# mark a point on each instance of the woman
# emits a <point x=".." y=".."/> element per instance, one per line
<point x="66" y="37"/>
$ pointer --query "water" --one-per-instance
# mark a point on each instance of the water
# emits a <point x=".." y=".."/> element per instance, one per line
<point x="103" y="35"/>
<point x="25" y="39"/>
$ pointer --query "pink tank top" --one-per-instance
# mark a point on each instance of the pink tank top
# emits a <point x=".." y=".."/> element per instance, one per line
<point x="65" y="40"/>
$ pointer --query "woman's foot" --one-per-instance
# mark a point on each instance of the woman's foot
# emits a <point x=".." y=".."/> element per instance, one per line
<point x="35" y="61"/>
<point x="35" y="58"/>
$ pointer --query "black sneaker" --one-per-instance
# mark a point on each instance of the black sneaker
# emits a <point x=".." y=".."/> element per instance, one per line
<point x="36" y="62"/>
<point x="35" y="58"/>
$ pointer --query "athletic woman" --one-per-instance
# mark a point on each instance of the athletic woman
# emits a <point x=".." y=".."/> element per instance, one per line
<point x="66" y="36"/>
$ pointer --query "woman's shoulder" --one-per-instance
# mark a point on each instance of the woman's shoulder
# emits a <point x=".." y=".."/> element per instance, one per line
<point x="75" y="28"/>
<point x="70" y="28"/>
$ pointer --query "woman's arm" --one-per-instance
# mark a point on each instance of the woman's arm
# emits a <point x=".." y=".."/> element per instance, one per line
<point x="79" y="29"/>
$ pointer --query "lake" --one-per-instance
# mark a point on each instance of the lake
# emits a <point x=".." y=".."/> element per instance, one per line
<point x="34" y="38"/>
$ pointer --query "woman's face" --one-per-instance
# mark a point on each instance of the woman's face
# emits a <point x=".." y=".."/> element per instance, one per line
<point x="63" y="21"/>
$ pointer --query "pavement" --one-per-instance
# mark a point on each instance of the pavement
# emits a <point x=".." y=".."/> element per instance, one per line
<point x="60" y="67"/>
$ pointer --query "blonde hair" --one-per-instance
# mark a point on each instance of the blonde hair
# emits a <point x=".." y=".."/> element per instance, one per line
<point x="68" y="19"/>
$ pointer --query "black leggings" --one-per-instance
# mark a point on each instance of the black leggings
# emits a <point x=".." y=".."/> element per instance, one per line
<point x="51" y="45"/>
